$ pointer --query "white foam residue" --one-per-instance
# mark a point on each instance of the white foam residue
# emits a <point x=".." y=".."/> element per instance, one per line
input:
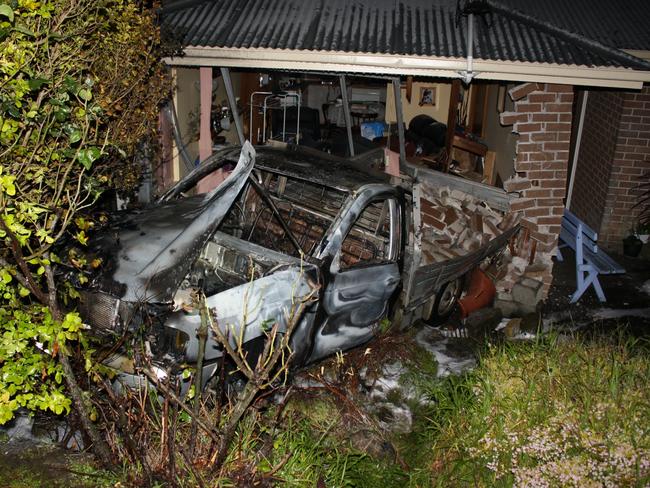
<point x="20" y="429"/>
<point x="646" y="287"/>
<point x="447" y="364"/>
<point x="615" y="313"/>
<point x="402" y="418"/>
<point x="502" y="324"/>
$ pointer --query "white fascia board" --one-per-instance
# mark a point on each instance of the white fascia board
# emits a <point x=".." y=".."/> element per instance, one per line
<point x="393" y="65"/>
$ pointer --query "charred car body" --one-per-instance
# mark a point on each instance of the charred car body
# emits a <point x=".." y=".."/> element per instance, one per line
<point x="283" y="225"/>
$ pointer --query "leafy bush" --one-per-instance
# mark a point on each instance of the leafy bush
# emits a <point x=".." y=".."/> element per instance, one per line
<point x="80" y="83"/>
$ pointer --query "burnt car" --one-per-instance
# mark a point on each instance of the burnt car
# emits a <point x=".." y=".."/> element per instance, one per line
<point x="282" y="226"/>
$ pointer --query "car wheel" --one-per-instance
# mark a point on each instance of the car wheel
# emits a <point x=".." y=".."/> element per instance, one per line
<point x="446" y="301"/>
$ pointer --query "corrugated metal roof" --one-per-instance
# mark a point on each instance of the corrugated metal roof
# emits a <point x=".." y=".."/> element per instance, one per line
<point x="623" y="24"/>
<point x="405" y="27"/>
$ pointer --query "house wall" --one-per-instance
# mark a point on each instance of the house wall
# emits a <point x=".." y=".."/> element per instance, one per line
<point x="594" y="164"/>
<point x="542" y="119"/>
<point x="220" y="97"/>
<point x="630" y="160"/>
<point x="410" y="110"/>
<point x="187" y="102"/>
<point x="499" y="138"/>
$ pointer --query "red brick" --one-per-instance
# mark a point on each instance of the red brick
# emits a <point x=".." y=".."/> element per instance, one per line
<point x="521" y="204"/>
<point x="549" y="202"/>
<point x="528" y="107"/>
<point x="541" y="117"/>
<point x="559" y="127"/>
<point x="509" y="118"/>
<point x="543" y="136"/>
<point x="427" y="219"/>
<point x="529" y="127"/>
<point x="559" y="88"/>
<point x="556" y="146"/>
<point x="542" y="97"/>
<point x="520" y="91"/>
<point x="518" y="184"/>
<point x="637" y="142"/>
<point x="555" y="165"/>
<point x="541" y="156"/>
<point x="538" y="193"/>
<point x="553" y="183"/>
<point x="526" y="166"/>
<point x="559" y="107"/>
<point x="541" y="175"/>
<point x="528" y="224"/>
<point x="523" y="137"/>
<point x="429" y="209"/>
<point x="529" y="147"/>
<point x="536" y="212"/>
<point x="543" y="237"/>
<point x="555" y="220"/>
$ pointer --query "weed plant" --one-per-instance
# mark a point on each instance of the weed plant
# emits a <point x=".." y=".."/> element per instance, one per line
<point x="557" y="412"/>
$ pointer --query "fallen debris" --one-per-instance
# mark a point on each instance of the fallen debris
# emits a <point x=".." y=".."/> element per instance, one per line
<point x="455" y="224"/>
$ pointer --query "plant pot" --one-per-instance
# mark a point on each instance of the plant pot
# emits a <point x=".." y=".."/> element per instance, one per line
<point x="632" y="246"/>
<point x="644" y="237"/>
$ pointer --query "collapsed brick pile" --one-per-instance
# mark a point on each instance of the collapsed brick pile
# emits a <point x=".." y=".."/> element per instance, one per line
<point x="455" y="224"/>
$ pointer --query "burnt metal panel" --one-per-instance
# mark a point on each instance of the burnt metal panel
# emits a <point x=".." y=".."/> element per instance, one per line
<point x="149" y="251"/>
<point x="413" y="27"/>
<point x="329" y="171"/>
<point x="428" y="279"/>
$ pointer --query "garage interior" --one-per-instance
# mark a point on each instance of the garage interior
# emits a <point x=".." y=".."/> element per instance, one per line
<point x="481" y="149"/>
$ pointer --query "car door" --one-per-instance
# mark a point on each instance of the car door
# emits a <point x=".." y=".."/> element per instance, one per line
<point x="363" y="273"/>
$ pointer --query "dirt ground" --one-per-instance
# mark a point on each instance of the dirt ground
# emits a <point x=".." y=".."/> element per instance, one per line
<point x="627" y="295"/>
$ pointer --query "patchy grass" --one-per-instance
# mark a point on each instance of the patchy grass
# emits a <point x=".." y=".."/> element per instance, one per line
<point x="52" y="467"/>
<point x="557" y="412"/>
<point x="570" y="412"/>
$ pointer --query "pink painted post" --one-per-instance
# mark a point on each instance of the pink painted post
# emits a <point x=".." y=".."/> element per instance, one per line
<point x="391" y="160"/>
<point x="205" y="137"/>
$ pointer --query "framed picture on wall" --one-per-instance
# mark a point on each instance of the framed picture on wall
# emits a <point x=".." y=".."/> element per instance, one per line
<point x="427" y="96"/>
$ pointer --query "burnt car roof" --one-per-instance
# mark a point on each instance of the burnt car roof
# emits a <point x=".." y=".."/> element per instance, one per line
<point x="322" y="168"/>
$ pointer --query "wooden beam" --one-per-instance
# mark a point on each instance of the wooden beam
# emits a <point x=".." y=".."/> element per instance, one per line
<point x="409" y="88"/>
<point x="451" y="118"/>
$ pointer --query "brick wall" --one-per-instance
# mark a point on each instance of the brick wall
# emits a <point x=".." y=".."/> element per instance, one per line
<point x="542" y="119"/>
<point x="593" y="169"/>
<point x="631" y="158"/>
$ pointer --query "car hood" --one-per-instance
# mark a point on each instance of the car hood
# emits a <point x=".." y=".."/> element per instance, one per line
<point x="148" y="252"/>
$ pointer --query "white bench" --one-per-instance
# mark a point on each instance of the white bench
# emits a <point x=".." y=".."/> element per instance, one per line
<point x="590" y="260"/>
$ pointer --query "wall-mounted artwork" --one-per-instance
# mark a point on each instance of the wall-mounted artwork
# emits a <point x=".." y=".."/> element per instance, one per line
<point x="428" y="96"/>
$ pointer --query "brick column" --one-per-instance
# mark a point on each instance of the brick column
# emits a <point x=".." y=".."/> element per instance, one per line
<point x="542" y="118"/>
<point x="594" y="165"/>
<point x="631" y="159"/>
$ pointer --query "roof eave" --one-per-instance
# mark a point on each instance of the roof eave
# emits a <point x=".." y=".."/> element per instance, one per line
<point x="394" y="64"/>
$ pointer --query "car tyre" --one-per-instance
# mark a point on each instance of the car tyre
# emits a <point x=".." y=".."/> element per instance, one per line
<point x="445" y="302"/>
